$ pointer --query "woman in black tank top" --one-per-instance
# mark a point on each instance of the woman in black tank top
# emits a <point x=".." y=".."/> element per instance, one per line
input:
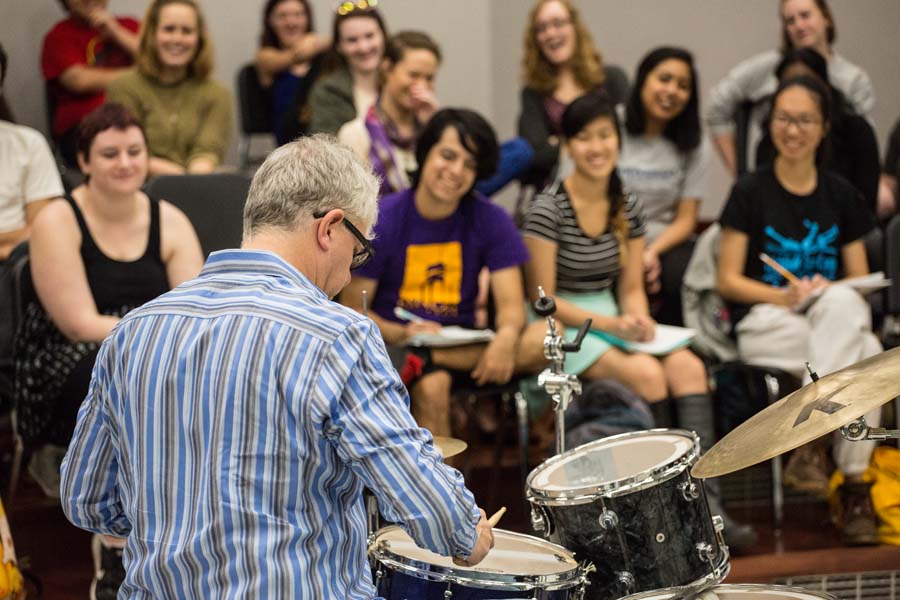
<point x="103" y="250"/>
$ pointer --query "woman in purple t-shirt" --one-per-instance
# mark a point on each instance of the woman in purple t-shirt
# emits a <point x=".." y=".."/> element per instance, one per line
<point x="430" y="244"/>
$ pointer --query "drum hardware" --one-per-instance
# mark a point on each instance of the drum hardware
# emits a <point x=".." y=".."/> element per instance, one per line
<point x="733" y="592"/>
<point x="608" y="520"/>
<point x="689" y="490"/>
<point x="837" y="401"/>
<point x="558" y="384"/>
<point x="706" y="552"/>
<point x="539" y="521"/>
<point x="625" y="581"/>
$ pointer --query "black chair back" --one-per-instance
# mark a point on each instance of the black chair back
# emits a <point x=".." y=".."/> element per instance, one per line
<point x="14" y="285"/>
<point x="214" y="204"/>
<point x="254" y="102"/>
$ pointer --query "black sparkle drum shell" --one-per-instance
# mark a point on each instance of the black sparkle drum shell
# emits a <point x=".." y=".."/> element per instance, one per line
<point x="629" y="505"/>
<point x="519" y="566"/>
<point x="738" y="592"/>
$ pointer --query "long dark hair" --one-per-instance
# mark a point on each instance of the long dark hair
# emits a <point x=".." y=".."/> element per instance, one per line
<point x="269" y="38"/>
<point x="819" y="93"/>
<point x="684" y="130"/>
<point x="475" y="134"/>
<point x="579" y="114"/>
<point x="334" y="60"/>
<point x="5" y="112"/>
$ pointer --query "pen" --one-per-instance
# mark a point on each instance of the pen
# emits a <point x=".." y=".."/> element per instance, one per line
<point x="402" y="313"/>
<point x="781" y="270"/>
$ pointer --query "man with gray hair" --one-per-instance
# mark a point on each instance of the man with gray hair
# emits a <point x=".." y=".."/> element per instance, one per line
<point x="231" y="423"/>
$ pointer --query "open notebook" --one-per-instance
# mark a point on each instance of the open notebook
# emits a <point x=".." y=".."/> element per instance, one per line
<point x="667" y="339"/>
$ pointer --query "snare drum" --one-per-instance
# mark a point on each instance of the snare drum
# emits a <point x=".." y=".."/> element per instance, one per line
<point x="738" y="592"/>
<point x="628" y="504"/>
<point x="519" y="566"/>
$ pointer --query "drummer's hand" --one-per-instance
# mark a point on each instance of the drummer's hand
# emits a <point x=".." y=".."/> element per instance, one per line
<point x="483" y="544"/>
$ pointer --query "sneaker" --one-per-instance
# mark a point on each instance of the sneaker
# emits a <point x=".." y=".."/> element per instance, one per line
<point x="808" y="470"/>
<point x="44" y="468"/>
<point x="109" y="572"/>
<point x="856" y="518"/>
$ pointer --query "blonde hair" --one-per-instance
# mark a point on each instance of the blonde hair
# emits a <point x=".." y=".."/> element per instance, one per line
<point x="148" y="58"/>
<point x="540" y="74"/>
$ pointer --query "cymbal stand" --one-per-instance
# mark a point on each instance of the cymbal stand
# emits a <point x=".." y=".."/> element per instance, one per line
<point x="558" y="384"/>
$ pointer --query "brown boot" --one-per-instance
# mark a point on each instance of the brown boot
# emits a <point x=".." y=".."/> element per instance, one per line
<point x="808" y="470"/>
<point x="858" y="523"/>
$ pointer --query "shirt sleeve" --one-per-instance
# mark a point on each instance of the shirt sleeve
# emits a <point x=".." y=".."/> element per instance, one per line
<point x="696" y="174"/>
<point x="737" y="214"/>
<point x="88" y="489"/>
<point x="543" y="219"/>
<point x="125" y="90"/>
<point x="59" y="52"/>
<point x="41" y="179"/>
<point x="504" y="247"/>
<point x="634" y="214"/>
<point x="395" y="458"/>
<point x="742" y="83"/>
<point x="215" y="130"/>
<point x="860" y="93"/>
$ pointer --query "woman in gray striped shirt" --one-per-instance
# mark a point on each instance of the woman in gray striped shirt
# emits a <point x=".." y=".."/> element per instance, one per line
<point x="586" y="240"/>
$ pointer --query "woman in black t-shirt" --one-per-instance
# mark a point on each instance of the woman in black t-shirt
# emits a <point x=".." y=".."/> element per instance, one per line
<point x="809" y="221"/>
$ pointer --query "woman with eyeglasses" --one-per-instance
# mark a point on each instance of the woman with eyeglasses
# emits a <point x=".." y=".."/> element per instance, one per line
<point x="664" y="163"/>
<point x="560" y="64"/>
<point x="850" y="147"/>
<point x="750" y="84"/>
<point x="349" y="84"/>
<point x="808" y="221"/>
<point x="287" y="63"/>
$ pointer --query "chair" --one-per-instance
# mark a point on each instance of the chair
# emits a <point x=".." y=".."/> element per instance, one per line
<point x="255" y="118"/>
<point x="214" y="204"/>
<point x="12" y="304"/>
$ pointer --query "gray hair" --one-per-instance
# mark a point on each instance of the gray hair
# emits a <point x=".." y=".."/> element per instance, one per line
<point x="306" y="176"/>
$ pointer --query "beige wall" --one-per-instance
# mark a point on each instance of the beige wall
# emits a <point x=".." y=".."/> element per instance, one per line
<point x="482" y="42"/>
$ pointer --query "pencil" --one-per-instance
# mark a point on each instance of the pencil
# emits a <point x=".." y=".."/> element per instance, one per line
<point x="781" y="270"/>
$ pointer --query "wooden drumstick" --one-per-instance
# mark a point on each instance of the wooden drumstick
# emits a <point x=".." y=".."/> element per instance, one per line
<point x="495" y="518"/>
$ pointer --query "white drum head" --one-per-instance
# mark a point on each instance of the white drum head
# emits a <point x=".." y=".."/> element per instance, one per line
<point x="512" y="554"/>
<point x="610" y="461"/>
<point x="737" y="592"/>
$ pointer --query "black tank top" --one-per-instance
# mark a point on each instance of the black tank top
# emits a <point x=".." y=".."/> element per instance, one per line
<point x="115" y="283"/>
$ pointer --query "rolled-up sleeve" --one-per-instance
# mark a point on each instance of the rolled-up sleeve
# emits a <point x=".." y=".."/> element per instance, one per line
<point x="391" y="454"/>
<point x="751" y="80"/>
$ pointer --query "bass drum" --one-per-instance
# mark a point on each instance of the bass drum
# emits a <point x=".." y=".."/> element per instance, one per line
<point x="519" y="566"/>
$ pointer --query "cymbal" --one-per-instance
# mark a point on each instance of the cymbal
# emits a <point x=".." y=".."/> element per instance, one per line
<point x="812" y="411"/>
<point x="449" y="446"/>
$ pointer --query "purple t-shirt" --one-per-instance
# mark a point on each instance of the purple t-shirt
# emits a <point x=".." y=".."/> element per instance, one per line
<point x="431" y="268"/>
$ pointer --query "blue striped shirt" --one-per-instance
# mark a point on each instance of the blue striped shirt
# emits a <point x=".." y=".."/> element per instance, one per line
<point x="228" y="431"/>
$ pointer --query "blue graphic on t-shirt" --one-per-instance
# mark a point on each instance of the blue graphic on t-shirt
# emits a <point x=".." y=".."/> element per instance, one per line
<point x="815" y="253"/>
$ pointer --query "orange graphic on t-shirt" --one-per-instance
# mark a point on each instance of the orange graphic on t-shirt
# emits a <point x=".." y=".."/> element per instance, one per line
<point x="433" y="277"/>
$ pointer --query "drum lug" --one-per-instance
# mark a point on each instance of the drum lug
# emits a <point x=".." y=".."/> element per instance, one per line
<point x="706" y="552"/>
<point x="626" y="580"/>
<point x="718" y="523"/>
<point x="689" y="491"/>
<point x="539" y="521"/>
<point x="608" y="520"/>
<point x="448" y="593"/>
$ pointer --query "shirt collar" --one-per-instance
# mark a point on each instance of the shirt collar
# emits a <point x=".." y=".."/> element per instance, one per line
<point x="255" y="262"/>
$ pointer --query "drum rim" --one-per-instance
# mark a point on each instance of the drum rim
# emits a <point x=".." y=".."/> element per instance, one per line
<point x="513" y="582"/>
<point x="632" y="483"/>
<point x="737" y="587"/>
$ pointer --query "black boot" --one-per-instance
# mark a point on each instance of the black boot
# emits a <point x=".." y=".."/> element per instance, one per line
<point x="857" y="520"/>
<point x="695" y="413"/>
<point x="662" y="413"/>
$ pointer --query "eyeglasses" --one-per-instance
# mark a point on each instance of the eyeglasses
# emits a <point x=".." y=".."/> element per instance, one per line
<point x="545" y="26"/>
<point x="803" y="122"/>
<point x="346" y="8"/>
<point x="362" y="256"/>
